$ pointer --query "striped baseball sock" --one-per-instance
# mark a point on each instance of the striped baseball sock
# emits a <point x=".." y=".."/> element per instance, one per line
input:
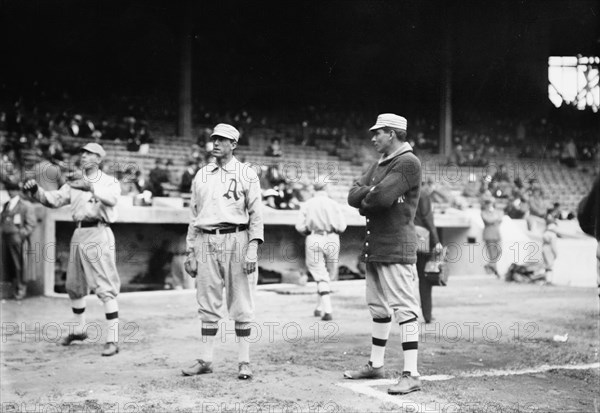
<point x="111" y="309"/>
<point x="409" y="335"/>
<point x="381" y="333"/>
<point x="326" y="301"/>
<point x="209" y="335"/>
<point x="242" y="332"/>
<point x="78" y="307"/>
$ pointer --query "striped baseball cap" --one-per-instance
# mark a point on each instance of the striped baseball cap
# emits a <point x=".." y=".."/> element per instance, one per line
<point x="226" y="131"/>
<point x="389" y="120"/>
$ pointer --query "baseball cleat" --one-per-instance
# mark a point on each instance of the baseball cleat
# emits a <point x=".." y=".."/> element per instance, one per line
<point x="244" y="371"/>
<point x="110" y="349"/>
<point x="365" y="372"/>
<point x="317" y="313"/>
<point x="327" y="317"/>
<point x="201" y="367"/>
<point x="406" y="384"/>
<point x="73" y="337"/>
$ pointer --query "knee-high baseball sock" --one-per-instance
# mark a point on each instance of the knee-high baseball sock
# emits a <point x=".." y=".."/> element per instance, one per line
<point x="209" y="335"/>
<point x="319" y="302"/>
<point x="326" y="301"/>
<point x="409" y="335"/>
<point x="242" y="332"/>
<point x="111" y="309"/>
<point x="381" y="333"/>
<point x="78" y="307"/>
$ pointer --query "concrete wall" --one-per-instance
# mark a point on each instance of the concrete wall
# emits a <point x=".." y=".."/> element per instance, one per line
<point x="144" y="233"/>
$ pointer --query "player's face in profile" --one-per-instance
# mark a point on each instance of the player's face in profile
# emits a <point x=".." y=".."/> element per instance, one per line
<point x="381" y="140"/>
<point x="222" y="147"/>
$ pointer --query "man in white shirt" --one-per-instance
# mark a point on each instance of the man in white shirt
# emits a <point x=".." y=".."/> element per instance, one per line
<point x="322" y="220"/>
<point x="222" y="247"/>
<point x="92" y="196"/>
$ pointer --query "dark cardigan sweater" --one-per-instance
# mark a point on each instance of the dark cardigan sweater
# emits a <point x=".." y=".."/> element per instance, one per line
<point x="387" y="195"/>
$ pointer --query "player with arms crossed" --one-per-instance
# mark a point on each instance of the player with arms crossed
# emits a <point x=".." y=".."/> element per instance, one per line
<point x="387" y="195"/>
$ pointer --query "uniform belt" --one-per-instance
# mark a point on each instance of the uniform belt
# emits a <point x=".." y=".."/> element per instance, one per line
<point x="321" y="232"/>
<point x="89" y="224"/>
<point x="226" y="230"/>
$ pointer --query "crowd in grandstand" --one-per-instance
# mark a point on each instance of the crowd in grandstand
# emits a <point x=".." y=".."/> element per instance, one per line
<point x="31" y="136"/>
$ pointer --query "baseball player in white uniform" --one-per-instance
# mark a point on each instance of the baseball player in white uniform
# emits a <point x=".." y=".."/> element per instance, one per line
<point x="92" y="196"/>
<point x="322" y="220"/>
<point x="222" y="247"/>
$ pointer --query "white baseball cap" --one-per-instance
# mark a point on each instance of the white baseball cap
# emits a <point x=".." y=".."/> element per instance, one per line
<point x="93" y="147"/>
<point x="226" y="131"/>
<point x="389" y="120"/>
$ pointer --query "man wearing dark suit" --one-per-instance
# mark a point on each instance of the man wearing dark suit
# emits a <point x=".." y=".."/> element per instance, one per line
<point x="17" y="222"/>
<point x="158" y="176"/>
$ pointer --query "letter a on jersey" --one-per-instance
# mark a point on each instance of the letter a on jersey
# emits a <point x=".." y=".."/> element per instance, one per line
<point x="232" y="190"/>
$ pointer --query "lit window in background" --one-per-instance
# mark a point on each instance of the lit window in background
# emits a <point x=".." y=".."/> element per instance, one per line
<point x="573" y="80"/>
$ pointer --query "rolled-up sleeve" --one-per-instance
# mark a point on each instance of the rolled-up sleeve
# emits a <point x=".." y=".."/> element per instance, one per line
<point x="54" y="199"/>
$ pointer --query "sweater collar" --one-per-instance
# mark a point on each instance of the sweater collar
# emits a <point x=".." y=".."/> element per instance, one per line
<point x="405" y="147"/>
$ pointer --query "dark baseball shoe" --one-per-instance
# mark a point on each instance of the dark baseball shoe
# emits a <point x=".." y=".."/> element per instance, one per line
<point x="110" y="349"/>
<point x="327" y="317"/>
<point x="73" y="337"/>
<point x="365" y="372"/>
<point x="244" y="371"/>
<point x="318" y="313"/>
<point x="201" y="367"/>
<point x="406" y="384"/>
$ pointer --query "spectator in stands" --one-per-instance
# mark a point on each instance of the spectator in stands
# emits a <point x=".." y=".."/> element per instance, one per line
<point x="457" y="157"/>
<point x="518" y="203"/>
<point x="554" y="212"/>
<point x="129" y="182"/>
<point x="568" y="155"/>
<point x="187" y="177"/>
<point x="501" y="174"/>
<point x="142" y="133"/>
<point x="492" y="218"/>
<point x="472" y="188"/>
<point x="75" y="126"/>
<point x="158" y="176"/>
<point x="274" y="148"/>
<point x="133" y="143"/>
<point x="500" y="185"/>
<point x="196" y="156"/>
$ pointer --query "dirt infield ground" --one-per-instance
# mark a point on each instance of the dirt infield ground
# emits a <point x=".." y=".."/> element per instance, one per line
<point x="490" y="348"/>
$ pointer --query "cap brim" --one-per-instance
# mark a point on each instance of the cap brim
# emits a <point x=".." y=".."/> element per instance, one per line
<point x="377" y="126"/>
<point x="221" y="136"/>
